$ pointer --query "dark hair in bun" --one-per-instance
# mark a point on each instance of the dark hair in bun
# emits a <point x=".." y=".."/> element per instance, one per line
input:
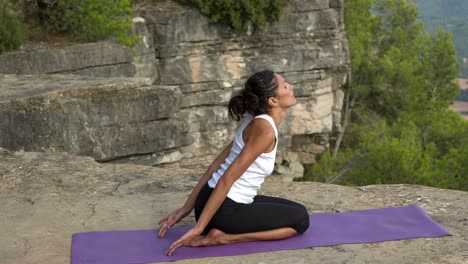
<point x="253" y="99"/>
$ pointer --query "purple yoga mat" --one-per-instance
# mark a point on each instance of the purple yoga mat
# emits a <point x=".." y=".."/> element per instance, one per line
<point x="326" y="229"/>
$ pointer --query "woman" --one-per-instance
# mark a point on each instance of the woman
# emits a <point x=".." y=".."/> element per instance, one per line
<point x="227" y="207"/>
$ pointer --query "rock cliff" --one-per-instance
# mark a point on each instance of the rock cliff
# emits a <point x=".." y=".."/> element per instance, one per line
<point x="48" y="197"/>
<point x="168" y="104"/>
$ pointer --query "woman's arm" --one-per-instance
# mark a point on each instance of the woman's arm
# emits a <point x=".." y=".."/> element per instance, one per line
<point x="180" y="213"/>
<point x="258" y="142"/>
<point x="190" y="203"/>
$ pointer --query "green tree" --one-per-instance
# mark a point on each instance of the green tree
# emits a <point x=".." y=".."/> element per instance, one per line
<point x="395" y="65"/>
<point x="390" y="158"/>
<point x="397" y="41"/>
<point x="92" y="20"/>
<point x="451" y="170"/>
<point x="11" y="29"/>
<point x="396" y="118"/>
<point x="384" y="38"/>
<point x="236" y="13"/>
<point x="451" y="16"/>
<point x="430" y="99"/>
<point x="440" y="68"/>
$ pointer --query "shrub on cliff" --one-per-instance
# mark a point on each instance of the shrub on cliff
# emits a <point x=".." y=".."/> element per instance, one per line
<point x="236" y="13"/>
<point x="92" y="20"/>
<point x="11" y="30"/>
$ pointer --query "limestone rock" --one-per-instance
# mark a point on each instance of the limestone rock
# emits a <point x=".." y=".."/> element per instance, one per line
<point x="336" y="108"/>
<point x="191" y="68"/>
<point x="307" y="46"/>
<point x="103" y="118"/>
<point x="145" y="60"/>
<point x="102" y="59"/>
<point x="289" y="165"/>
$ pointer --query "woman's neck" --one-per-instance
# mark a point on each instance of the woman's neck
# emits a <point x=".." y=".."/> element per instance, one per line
<point x="278" y="115"/>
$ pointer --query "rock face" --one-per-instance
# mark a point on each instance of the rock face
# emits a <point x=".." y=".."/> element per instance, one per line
<point x="102" y="118"/>
<point x="198" y="66"/>
<point x="48" y="197"/>
<point x="209" y="62"/>
<point x="102" y="59"/>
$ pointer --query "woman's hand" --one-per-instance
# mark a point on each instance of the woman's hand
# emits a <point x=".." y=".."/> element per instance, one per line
<point x="172" y="219"/>
<point x="184" y="240"/>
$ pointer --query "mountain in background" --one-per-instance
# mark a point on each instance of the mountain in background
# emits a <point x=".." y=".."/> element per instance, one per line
<point x="451" y="15"/>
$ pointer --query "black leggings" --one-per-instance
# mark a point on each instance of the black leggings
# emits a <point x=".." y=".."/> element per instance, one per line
<point x="264" y="213"/>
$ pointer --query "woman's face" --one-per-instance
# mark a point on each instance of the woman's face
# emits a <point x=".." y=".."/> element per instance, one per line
<point x="284" y="93"/>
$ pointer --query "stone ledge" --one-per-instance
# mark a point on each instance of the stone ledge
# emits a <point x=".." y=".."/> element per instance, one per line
<point x="18" y="87"/>
<point x="74" y="58"/>
<point x="106" y="118"/>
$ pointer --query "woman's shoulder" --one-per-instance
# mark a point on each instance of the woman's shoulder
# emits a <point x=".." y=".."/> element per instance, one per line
<point x="268" y="122"/>
<point x="262" y="127"/>
<point x="260" y="133"/>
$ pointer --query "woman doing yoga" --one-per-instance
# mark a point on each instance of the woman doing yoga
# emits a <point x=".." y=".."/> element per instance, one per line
<point x="227" y="207"/>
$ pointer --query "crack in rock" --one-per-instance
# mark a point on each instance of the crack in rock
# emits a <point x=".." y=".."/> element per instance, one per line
<point x="93" y="212"/>
<point x="26" y="246"/>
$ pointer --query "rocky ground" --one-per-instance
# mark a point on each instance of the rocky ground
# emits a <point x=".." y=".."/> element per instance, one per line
<point x="48" y="197"/>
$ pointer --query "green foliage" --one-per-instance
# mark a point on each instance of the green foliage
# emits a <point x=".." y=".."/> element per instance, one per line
<point x="390" y="158"/>
<point x="384" y="48"/>
<point x="450" y="15"/>
<point x="393" y="61"/>
<point x="402" y="153"/>
<point x="328" y="167"/>
<point x="236" y="13"/>
<point x="445" y="129"/>
<point x="396" y="66"/>
<point x="11" y="29"/>
<point x="440" y="67"/>
<point x="92" y="20"/>
<point x="401" y="129"/>
<point x="451" y="170"/>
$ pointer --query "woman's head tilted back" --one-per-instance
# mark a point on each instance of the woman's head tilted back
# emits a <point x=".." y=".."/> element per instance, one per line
<point x="253" y="99"/>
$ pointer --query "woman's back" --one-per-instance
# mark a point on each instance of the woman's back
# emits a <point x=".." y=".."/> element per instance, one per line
<point x="245" y="188"/>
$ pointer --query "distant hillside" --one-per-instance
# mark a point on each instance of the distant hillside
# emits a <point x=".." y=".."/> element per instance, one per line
<point x="452" y="16"/>
<point x="463" y="96"/>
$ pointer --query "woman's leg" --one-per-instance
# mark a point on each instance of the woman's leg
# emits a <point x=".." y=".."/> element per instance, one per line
<point x="267" y="218"/>
<point x="265" y="213"/>
<point x="218" y="237"/>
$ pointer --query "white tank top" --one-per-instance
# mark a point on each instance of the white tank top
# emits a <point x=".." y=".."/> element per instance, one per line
<point x="245" y="188"/>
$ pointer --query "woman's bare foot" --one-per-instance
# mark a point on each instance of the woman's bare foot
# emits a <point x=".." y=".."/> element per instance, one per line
<point x="213" y="238"/>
